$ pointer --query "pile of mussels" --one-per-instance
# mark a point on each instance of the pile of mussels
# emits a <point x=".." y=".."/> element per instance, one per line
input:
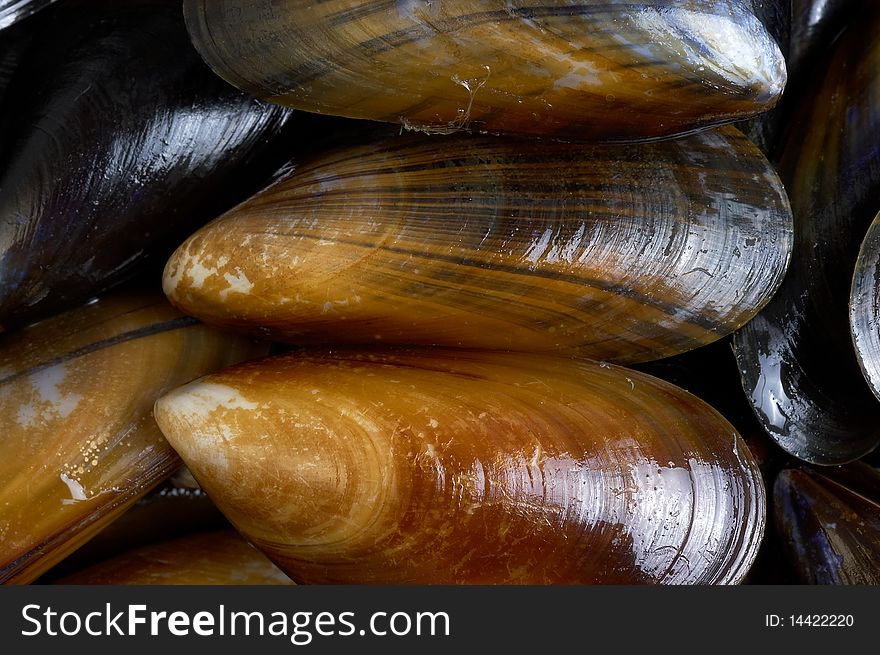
<point x="432" y="273"/>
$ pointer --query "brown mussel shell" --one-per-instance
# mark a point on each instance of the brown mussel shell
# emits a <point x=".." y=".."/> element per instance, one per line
<point x="170" y="511"/>
<point x="213" y="558"/>
<point x="578" y="70"/>
<point x="618" y="253"/>
<point x="796" y="358"/>
<point x="454" y="467"/>
<point x="829" y="520"/>
<point x="711" y="374"/>
<point x="79" y="444"/>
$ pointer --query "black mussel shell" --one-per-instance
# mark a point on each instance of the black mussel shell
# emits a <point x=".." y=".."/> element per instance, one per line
<point x="796" y="358"/>
<point x="830" y="523"/>
<point x="116" y="139"/>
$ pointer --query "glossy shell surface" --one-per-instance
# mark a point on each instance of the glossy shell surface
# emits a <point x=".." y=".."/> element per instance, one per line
<point x="580" y="70"/>
<point x="624" y="253"/>
<point x="470" y="467"/>
<point x="79" y="443"/>
<point x="796" y="357"/>
<point x="113" y="148"/>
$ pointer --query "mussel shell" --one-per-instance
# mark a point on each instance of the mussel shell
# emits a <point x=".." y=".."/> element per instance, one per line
<point x="830" y="523"/>
<point x="580" y="70"/>
<point x="796" y="358"/>
<point x="711" y="374"/>
<point x="864" y="306"/>
<point x="112" y="146"/>
<point x="444" y="466"/>
<point x="624" y="253"/>
<point x="79" y="443"/>
<point x="213" y="558"/>
<point x="12" y="11"/>
<point x="168" y="512"/>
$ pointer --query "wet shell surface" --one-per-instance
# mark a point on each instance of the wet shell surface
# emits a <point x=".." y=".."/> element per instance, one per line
<point x="796" y="358"/>
<point x="625" y="253"/>
<point x="830" y="523"/>
<point x="167" y="512"/>
<point x="864" y="308"/>
<point x="113" y="148"/>
<point x="213" y="558"/>
<point x="79" y="443"/>
<point x="444" y="466"/>
<point x="580" y="70"/>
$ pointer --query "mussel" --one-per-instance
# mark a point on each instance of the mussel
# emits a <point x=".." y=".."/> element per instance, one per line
<point x="587" y="70"/>
<point x="619" y="253"/>
<point x="116" y="138"/>
<point x="213" y="558"/>
<point x="79" y="444"/>
<point x="445" y="466"/>
<point x="796" y="357"/>
<point x="829" y="520"/>
<point x="710" y="373"/>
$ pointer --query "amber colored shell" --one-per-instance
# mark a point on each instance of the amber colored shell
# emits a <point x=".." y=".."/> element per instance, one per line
<point x="449" y="466"/>
<point x="213" y="558"/>
<point x="79" y="443"/>
<point x="616" y="253"/>
<point x="583" y="70"/>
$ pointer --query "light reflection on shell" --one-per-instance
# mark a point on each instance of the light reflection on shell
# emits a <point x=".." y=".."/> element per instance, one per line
<point x="470" y="467"/>
<point x="582" y="70"/>
<point x="79" y="443"/>
<point x="625" y="253"/>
